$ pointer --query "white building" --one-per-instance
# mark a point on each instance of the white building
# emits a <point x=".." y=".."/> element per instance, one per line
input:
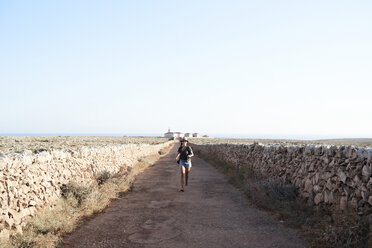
<point x="170" y="134"/>
<point x="174" y="135"/>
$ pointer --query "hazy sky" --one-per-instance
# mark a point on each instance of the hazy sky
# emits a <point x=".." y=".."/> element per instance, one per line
<point x="247" y="67"/>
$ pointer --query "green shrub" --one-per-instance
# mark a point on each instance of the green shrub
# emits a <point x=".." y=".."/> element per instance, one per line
<point x="80" y="193"/>
<point x="104" y="177"/>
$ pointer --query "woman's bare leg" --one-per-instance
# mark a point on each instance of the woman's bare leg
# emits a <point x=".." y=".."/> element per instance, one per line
<point x="187" y="175"/>
<point x="182" y="169"/>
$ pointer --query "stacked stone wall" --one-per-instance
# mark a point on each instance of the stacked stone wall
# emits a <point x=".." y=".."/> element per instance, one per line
<point x="30" y="181"/>
<point x="328" y="175"/>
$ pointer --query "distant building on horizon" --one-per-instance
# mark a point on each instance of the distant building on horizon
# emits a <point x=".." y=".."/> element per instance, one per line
<point x="170" y="134"/>
<point x="174" y="135"/>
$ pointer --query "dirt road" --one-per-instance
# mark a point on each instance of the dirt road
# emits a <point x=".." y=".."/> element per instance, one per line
<point x="210" y="213"/>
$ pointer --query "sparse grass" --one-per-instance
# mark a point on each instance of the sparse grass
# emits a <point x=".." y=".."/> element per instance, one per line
<point x="34" y="143"/>
<point x="318" y="226"/>
<point x="45" y="229"/>
<point x="338" y="229"/>
<point x="36" y="151"/>
<point x="165" y="150"/>
<point x="103" y="177"/>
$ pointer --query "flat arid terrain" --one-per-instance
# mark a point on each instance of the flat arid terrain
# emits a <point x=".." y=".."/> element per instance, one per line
<point x="11" y="144"/>
<point x="362" y="142"/>
<point x="16" y="144"/>
<point x="210" y="213"/>
<point x="220" y="207"/>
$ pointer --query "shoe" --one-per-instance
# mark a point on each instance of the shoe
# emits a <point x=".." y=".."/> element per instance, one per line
<point x="182" y="190"/>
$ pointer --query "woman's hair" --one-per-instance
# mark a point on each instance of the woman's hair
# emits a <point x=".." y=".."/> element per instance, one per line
<point x="184" y="141"/>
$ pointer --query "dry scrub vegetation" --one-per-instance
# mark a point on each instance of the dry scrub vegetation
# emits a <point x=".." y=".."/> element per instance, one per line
<point x="46" y="228"/>
<point x="319" y="227"/>
<point x="11" y="144"/>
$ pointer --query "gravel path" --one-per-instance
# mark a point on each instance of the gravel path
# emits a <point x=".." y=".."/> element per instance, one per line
<point x="210" y="213"/>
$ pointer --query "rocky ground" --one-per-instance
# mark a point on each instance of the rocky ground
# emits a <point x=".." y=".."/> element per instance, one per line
<point x="12" y="144"/>
<point x="210" y="213"/>
<point x="336" y="142"/>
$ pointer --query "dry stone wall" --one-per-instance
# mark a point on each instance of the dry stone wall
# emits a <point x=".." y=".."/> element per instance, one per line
<point x="328" y="175"/>
<point x="30" y="181"/>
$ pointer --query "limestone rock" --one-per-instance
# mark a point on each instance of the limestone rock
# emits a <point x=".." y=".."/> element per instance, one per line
<point x="342" y="176"/>
<point x="17" y="217"/>
<point x="4" y="234"/>
<point x="369" y="159"/>
<point x="19" y="229"/>
<point x="357" y="180"/>
<point x="343" y="203"/>
<point x="366" y="171"/>
<point x="328" y="197"/>
<point x="316" y="189"/>
<point x="358" y="193"/>
<point x="308" y="185"/>
<point x="25" y="212"/>
<point x="9" y="221"/>
<point x="369" y="184"/>
<point x="32" y="211"/>
<point x="318" y="198"/>
<point x="329" y="184"/>
<point x="369" y="219"/>
<point x="365" y="195"/>
<point x="370" y="200"/>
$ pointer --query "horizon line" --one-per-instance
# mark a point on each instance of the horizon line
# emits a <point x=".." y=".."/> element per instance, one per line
<point x="212" y="135"/>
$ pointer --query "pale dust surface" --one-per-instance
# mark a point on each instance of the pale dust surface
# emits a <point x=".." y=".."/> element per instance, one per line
<point x="210" y="213"/>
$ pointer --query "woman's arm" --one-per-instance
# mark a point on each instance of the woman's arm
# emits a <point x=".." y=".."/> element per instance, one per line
<point x="178" y="153"/>
<point x="191" y="153"/>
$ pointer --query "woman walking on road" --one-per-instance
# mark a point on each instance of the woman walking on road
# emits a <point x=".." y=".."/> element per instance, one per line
<point x="184" y="156"/>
